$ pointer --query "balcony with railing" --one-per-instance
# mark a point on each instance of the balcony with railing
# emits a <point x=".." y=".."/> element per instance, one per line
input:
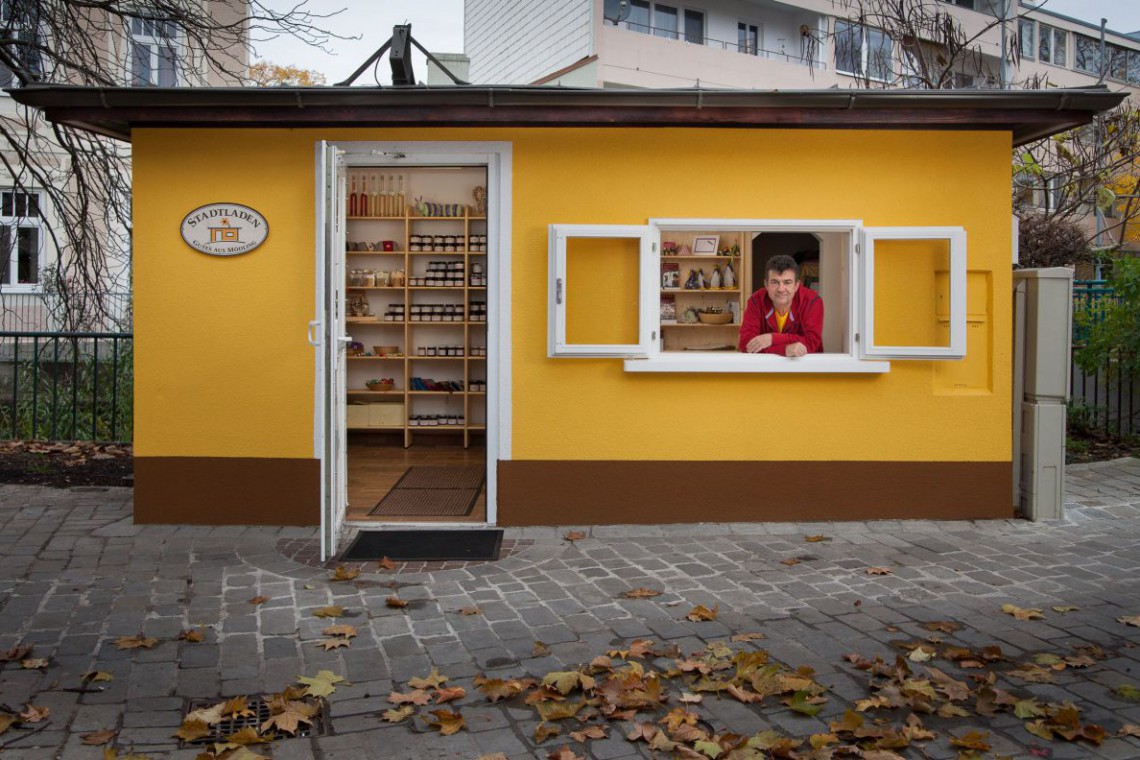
<point x="751" y="45"/>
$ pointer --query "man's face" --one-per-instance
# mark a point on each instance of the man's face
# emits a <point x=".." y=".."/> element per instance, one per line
<point x="781" y="287"/>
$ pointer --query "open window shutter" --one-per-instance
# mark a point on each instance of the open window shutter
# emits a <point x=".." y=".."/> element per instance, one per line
<point x="599" y="290"/>
<point x="914" y="293"/>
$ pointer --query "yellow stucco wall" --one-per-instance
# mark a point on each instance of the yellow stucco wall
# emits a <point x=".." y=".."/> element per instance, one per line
<point x="223" y="367"/>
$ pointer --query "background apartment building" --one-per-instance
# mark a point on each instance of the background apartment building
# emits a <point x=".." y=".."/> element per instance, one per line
<point x="771" y="44"/>
<point x="131" y="51"/>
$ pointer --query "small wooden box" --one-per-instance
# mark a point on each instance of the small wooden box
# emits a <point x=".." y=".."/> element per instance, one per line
<point x="356" y="415"/>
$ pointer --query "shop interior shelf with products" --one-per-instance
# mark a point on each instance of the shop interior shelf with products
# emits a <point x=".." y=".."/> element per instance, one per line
<point x="416" y="302"/>
<point x="707" y="277"/>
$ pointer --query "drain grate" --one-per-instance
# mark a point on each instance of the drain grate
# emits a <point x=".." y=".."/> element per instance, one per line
<point x="260" y="709"/>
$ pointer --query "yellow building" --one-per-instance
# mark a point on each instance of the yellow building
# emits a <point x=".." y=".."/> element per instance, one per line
<point x="566" y="359"/>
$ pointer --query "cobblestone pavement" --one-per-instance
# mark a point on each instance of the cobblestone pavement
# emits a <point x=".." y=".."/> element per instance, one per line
<point x="75" y="574"/>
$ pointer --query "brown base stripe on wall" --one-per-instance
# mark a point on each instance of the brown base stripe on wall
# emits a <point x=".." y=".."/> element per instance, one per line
<point x="608" y="492"/>
<point x="227" y="491"/>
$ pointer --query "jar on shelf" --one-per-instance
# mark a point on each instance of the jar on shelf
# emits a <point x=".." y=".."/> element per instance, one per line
<point x="369" y="279"/>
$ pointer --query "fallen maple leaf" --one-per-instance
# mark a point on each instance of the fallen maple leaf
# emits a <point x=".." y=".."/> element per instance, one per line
<point x="449" y="694"/>
<point x="1129" y="729"/>
<point x="470" y="611"/>
<point x="416" y="697"/>
<point x="540" y="650"/>
<point x="972" y="740"/>
<point x="878" y="571"/>
<point x="237" y="707"/>
<point x="1022" y="614"/>
<point x="497" y="688"/>
<point x="591" y="732"/>
<point x="496" y="756"/>
<point x="1063" y="610"/>
<point x="752" y="636"/>
<point x="259" y="600"/>
<point x="816" y="539"/>
<point x="399" y="714"/>
<point x="322" y="684"/>
<point x="98" y="738"/>
<point x="328" y="612"/>
<point x="34" y="714"/>
<point x="395" y="602"/>
<point x="386" y="564"/>
<point x="34" y="664"/>
<point x="691" y="699"/>
<point x="641" y="593"/>
<point x="942" y="626"/>
<point x="136" y="642"/>
<point x="346" y="631"/>
<point x="446" y="721"/>
<point x="790" y="561"/>
<point x="1128" y="692"/>
<point x="574" y="535"/>
<point x="329" y="644"/>
<point x="192" y="729"/>
<point x="195" y="636"/>
<point x="544" y="731"/>
<point x="433" y="680"/>
<point x="208" y="715"/>
<point x="342" y="573"/>
<point x="290" y="715"/>
<point x="701" y="613"/>
<point x="16" y="653"/>
<point x="563" y="753"/>
<point x="1130" y="620"/>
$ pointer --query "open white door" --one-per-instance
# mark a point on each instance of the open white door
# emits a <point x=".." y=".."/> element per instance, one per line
<point x="332" y="443"/>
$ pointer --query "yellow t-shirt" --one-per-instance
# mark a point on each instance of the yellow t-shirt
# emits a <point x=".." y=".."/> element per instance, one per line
<point x="780" y="320"/>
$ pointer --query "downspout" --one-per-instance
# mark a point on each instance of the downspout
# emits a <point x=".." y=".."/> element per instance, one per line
<point x="1005" y="73"/>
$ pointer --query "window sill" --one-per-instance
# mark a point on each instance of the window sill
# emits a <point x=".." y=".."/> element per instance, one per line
<point x="735" y="362"/>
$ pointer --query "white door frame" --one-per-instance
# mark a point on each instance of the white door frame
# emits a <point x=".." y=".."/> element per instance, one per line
<point x="498" y="158"/>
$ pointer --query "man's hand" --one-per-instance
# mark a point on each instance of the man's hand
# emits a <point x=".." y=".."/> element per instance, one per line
<point x="759" y="343"/>
<point x="795" y="350"/>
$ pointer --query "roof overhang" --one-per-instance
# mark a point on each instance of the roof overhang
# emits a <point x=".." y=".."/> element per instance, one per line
<point x="116" y="111"/>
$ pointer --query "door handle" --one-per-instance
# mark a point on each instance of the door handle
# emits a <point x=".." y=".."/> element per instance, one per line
<point x="314" y="342"/>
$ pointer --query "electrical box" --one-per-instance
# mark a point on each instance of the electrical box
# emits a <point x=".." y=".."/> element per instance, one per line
<point x="1042" y="461"/>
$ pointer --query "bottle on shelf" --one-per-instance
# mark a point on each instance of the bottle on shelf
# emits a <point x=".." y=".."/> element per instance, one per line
<point x="400" y="198"/>
<point x="353" y="201"/>
<point x="391" y="197"/>
<point x="374" y="200"/>
<point x="381" y="206"/>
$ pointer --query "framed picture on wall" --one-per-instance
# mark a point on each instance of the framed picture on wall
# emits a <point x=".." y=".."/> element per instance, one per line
<point x="705" y="245"/>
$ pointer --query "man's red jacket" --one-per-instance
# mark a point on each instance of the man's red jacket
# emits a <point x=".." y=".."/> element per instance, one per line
<point x="804" y="324"/>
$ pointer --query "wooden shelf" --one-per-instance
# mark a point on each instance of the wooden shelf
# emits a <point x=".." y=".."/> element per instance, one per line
<point x="445" y="324"/>
<point x="698" y="324"/>
<point x="436" y="358"/>
<point x="373" y="287"/>
<point x="697" y="258"/>
<point x="375" y="218"/>
<point x="374" y="253"/>
<point x="435" y="287"/>
<point x="391" y="428"/>
<point x="438" y="393"/>
<point x="393" y="392"/>
<point x="442" y="253"/>
<point x="378" y="358"/>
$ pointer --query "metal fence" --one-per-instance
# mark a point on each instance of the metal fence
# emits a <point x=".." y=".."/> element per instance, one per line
<point x="66" y="386"/>
<point x="1107" y="400"/>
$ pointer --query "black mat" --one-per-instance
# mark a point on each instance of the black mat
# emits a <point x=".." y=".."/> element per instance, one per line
<point x="425" y="545"/>
<point x="465" y="477"/>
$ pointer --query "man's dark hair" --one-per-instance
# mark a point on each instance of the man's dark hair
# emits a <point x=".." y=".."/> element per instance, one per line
<point x="781" y="263"/>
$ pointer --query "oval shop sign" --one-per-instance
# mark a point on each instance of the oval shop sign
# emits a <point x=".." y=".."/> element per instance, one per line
<point x="224" y="229"/>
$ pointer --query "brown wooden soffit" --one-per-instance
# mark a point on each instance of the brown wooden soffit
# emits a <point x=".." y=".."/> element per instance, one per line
<point x="606" y="493"/>
<point x="1027" y="114"/>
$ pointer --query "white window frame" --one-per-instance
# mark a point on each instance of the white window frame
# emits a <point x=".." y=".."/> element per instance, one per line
<point x="155" y="44"/>
<point x="22" y="28"/>
<point x="759" y="36"/>
<point x="864" y="357"/>
<point x="1054" y="33"/>
<point x="1031" y="55"/>
<point x="865" y="52"/>
<point x="956" y="236"/>
<point x="17" y="222"/>
<point x="559" y="290"/>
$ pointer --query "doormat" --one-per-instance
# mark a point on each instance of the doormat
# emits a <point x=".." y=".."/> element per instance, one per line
<point x="433" y="492"/>
<point x="468" y="476"/>
<point x="425" y="545"/>
<point x="427" y="502"/>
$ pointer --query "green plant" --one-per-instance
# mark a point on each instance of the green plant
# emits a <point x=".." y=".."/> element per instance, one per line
<point x="1081" y="418"/>
<point x="1076" y="445"/>
<point x="1115" y="339"/>
<point x="63" y="393"/>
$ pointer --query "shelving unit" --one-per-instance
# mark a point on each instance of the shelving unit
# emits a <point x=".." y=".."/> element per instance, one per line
<point x="408" y="334"/>
<point x="676" y="333"/>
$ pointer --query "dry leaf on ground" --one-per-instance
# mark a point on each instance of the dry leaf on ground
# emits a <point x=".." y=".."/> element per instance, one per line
<point x="37" y="663"/>
<point x="1064" y="609"/>
<point x="563" y="753"/>
<point x="878" y="571"/>
<point x="328" y="612"/>
<point x="386" y="564"/>
<point x="470" y="611"/>
<point x="791" y="561"/>
<point x="701" y="613"/>
<point x="398" y="714"/>
<point x="330" y="644"/>
<point x="322" y="684"/>
<point x="749" y="636"/>
<point x="640" y="593"/>
<point x="446" y="721"/>
<point x="1022" y="614"/>
<point x="1130" y="620"/>
<point x="259" y="600"/>
<point x="415" y="697"/>
<point x="342" y="573"/>
<point x="816" y="539"/>
<point x="346" y="631"/>
<point x="98" y="738"/>
<point x="35" y="714"/>
<point x="574" y="535"/>
<point x="194" y="636"/>
<point x="395" y="602"/>
<point x="540" y="649"/>
<point x="434" y="680"/>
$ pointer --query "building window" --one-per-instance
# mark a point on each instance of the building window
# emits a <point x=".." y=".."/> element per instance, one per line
<point x="862" y="51"/>
<point x="1117" y="63"/>
<point x="1025" y="38"/>
<point x="21" y="240"/>
<point x="1087" y="57"/>
<point x="665" y="21"/>
<point x="695" y="27"/>
<point x="748" y="38"/>
<point x="154" y="53"/>
<point x="1134" y="67"/>
<point x="989" y="7"/>
<point x="638" y="20"/>
<point x="1051" y="44"/>
<point x="19" y="26"/>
